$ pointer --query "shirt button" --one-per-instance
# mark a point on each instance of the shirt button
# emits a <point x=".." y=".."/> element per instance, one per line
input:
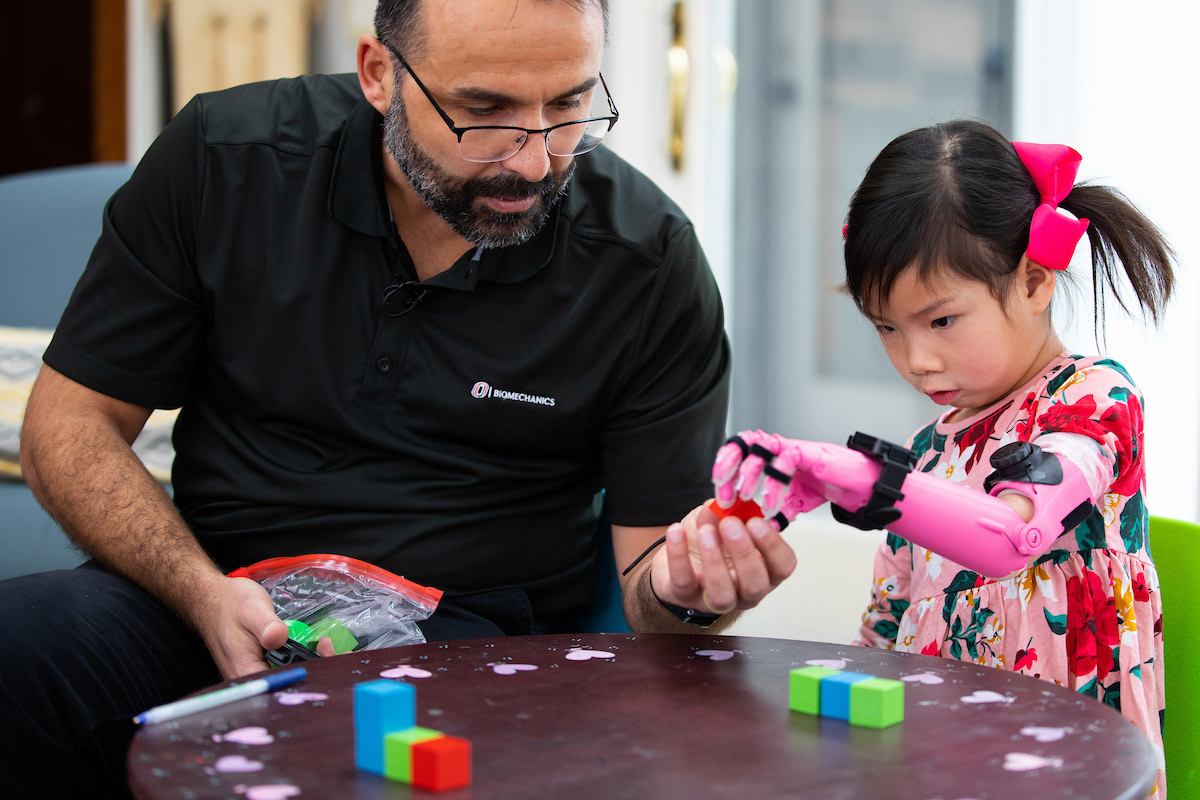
<point x="383" y="365"/>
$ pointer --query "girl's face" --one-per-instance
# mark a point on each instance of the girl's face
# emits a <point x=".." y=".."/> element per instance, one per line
<point x="955" y="342"/>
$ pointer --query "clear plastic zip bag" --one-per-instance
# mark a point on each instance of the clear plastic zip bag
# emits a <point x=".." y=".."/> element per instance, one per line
<point x="359" y="606"/>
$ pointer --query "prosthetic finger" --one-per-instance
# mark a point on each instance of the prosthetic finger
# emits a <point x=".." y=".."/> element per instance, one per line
<point x="739" y="465"/>
<point x="725" y="468"/>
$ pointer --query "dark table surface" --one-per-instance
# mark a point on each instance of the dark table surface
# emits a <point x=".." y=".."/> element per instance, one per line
<point x="656" y="716"/>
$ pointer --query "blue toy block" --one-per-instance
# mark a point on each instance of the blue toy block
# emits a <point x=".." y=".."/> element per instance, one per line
<point x="380" y="707"/>
<point x="835" y="693"/>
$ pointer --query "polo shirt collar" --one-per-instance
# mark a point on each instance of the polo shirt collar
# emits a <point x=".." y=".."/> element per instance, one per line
<point x="357" y="200"/>
<point x="356" y="197"/>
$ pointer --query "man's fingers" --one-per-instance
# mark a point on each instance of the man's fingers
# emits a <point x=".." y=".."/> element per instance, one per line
<point x="750" y="560"/>
<point x="719" y="593"/>
<point x="778" y="557"/>
<point x="274" y="634"/>
<point x="683" y="581"/>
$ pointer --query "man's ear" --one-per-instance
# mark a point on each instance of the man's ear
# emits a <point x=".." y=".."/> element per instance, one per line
<point x="375" y="72"/>
<point x="1038" y="283"/>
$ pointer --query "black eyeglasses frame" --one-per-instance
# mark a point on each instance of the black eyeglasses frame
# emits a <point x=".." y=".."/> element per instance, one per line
<point x="545" y="132"/>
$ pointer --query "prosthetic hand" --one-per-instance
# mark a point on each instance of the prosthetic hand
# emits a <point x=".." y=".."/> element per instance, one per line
<point x="871" y="485"/>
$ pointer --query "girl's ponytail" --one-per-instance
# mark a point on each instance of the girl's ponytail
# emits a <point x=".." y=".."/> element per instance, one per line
<point x="1122" y="238"/>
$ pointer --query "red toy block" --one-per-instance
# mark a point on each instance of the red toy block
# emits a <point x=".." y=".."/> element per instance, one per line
<point x="441" y="764"/>
<point x="742" y="509"/>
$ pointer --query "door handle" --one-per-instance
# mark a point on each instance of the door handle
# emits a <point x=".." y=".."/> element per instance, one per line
<point x="679" y="70"/>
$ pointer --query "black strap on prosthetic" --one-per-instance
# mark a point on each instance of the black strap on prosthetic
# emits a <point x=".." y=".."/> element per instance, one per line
<point x="1025" y="462"/>
<point x="741" y="443"/>
<point x="880" y="510"/>
<point x="768" y="459"/>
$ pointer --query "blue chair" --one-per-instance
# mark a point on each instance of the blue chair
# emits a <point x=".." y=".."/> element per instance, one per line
<point x="1175" y="546"/>
<point x="49" y="222"/>
<point x="605" y="614"/>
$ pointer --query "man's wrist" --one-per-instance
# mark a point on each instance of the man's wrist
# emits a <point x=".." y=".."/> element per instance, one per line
<point x="688" y="615"/>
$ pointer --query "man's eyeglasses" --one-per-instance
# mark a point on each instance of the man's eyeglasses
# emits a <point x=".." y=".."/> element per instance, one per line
<point x="487" y="143"/>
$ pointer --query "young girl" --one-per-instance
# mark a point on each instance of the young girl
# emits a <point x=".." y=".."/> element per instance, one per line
<point x="955" y="243"/>
<point x="953" y="249"/>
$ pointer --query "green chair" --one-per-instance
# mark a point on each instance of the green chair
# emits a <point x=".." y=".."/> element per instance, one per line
<point x="1175" y="546"/>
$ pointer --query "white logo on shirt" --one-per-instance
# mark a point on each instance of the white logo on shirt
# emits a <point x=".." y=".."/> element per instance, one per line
<point x="483" y="389"/>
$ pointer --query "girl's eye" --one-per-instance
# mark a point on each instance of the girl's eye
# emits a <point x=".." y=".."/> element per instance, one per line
<point x="943" y="322"/>
<point x="882" y="329"/>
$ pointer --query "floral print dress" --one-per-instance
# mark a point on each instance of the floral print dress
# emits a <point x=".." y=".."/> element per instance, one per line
<point x="1087" y="614"/>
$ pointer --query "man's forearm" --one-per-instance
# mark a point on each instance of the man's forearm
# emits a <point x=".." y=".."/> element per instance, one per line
<point x="87" y="476"/>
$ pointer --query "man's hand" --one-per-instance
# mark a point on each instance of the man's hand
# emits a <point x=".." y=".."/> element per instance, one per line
<point x="241" y="625"/>
<point x="238" y="624"/>
<point x="720" y="565"/>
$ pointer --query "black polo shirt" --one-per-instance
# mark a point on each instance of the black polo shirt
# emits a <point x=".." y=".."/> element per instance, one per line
<point x="456" y="432"/>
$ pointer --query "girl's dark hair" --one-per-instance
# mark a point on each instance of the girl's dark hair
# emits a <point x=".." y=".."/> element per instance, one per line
<point x="956" y="196"/>
<point x="397" y="22"/>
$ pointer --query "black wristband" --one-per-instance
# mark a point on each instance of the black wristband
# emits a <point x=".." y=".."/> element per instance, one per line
<point x="688" y="615"/>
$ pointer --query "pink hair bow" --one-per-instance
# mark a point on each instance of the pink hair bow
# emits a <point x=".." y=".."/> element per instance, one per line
<point x="1053" y="235"/>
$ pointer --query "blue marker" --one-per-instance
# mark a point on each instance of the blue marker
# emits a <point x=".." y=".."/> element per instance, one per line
<point x="191" y="705"/>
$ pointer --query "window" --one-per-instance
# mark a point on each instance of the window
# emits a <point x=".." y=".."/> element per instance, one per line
<point x="824" y="87"/>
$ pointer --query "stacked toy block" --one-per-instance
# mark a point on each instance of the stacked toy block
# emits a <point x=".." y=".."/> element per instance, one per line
<point x="388" y="741"/>
<point x="856" y="697"/>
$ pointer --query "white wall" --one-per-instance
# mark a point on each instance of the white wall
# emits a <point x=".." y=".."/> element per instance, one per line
<point x="1117" y="81"/>
<point x="635" y="68"/>
<point x="143" y="78"/>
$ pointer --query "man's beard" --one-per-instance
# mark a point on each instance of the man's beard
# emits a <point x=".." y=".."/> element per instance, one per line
<point x="455" y="200"/>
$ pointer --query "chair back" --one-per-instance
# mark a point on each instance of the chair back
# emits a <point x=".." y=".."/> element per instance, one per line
<point x="606" y="614"/>
<point x="1175" y="545"/>
<point x="49" y="223"/>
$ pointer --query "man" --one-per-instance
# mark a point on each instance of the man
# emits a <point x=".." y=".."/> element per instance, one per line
<point x="395" y="335"/>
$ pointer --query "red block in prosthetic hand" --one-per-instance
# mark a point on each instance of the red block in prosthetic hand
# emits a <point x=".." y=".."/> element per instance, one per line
<point x="744" y="510"/>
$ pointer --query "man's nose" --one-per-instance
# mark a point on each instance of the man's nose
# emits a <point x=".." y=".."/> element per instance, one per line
<point x="532" y="161"/>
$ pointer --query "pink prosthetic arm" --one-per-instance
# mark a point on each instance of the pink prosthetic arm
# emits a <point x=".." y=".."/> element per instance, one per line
<point x="871" y="485"/>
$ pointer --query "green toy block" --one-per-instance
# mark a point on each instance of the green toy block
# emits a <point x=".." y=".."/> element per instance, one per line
<point x="298" y="631"/>
<point x="397" y="751"/>
<point x="804" y="688"/>
<point x="343" y="640"/>
<point x="877" y="703"/>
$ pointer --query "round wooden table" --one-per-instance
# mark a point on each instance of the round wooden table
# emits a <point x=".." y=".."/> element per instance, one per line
<point x="656" y="716"/>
